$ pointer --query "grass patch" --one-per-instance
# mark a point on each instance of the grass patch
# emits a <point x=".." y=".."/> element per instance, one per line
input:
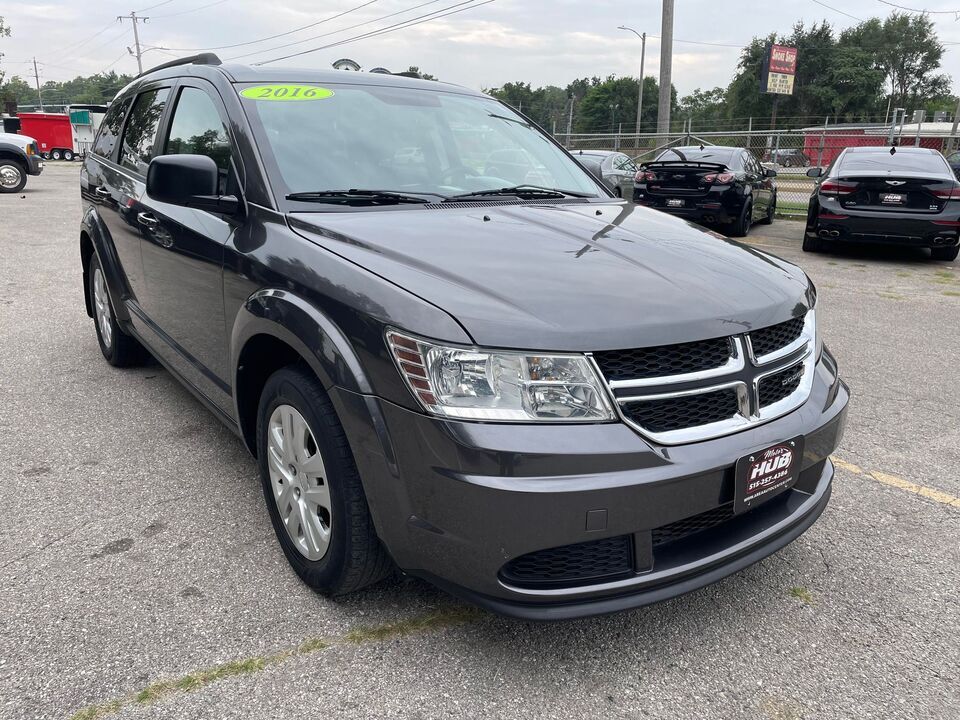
<point x="802" y="594"/>
<point x="904" y="273"/>
<point x="248" y="666"/>
<point x="951" y="293"/>
<point x="945" y="277"/>
<point x="891" y="296"/>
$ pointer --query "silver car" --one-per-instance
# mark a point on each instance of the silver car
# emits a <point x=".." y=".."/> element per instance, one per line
<point x="616" y="170"/>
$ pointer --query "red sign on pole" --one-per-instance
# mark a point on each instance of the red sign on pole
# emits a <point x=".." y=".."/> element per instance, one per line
<point x="783" y="59"/>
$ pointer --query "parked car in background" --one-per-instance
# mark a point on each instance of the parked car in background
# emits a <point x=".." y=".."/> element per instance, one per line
<point x="788" y="158"/>
<point x="896" y="196"/>
<point x="953" y="159"/>
<point x="616" y="170"/>
<point x="710" y="185"/>
<point x="19" y="157"/>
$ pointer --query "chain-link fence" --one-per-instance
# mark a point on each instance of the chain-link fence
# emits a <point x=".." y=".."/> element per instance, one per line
<point x="789" y="152"/>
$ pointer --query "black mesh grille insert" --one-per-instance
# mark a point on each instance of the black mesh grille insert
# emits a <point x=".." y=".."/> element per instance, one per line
<point x="766" y="340"/>
<point x="569" y="565"/>
<point x="688" y="526"/>
<point x="664" y="360"/>
<point x="683" y="412"/>
<point x="776" y="387"/>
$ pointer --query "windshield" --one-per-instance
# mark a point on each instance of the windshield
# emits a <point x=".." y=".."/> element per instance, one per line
<point x="405" y="140"/>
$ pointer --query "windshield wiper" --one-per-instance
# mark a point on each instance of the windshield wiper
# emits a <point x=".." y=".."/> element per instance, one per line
<point x="523" y="191"/>
<point x="372" y="197"/>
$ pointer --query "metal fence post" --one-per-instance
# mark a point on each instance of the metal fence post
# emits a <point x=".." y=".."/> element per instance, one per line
<point x="823" y="134"/>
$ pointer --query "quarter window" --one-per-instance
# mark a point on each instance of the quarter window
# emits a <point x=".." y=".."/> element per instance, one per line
<point x="198" y="130"/>
<point x="110" y="128"/>
<point x="140" y="134"/>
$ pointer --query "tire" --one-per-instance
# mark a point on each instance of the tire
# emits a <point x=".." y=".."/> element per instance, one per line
<point x="13" y="176"/>
<point x="68" y="155"/>
<point x="118" y="348"/>
<point x="771" y="211"/>
<point x="741" y="226"/>
<point x="56" y="155"/>
<point x="350" y="556"/>
<point x="618" y="192"/>
<point x="947" y="254"/>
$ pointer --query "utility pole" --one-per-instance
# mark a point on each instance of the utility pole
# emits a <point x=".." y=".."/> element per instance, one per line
<point x="36" y="76"/>
<point x="136" y="36"/>
<point x="666" y="62"/>
<point x="570" y="122"/>
<point x="643" y="55"/>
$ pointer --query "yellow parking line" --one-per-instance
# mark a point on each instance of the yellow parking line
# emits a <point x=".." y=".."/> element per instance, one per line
<point x="899" y="483"/>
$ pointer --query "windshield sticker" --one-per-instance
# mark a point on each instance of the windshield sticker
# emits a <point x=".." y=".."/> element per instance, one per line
<point x="286" y="93"/>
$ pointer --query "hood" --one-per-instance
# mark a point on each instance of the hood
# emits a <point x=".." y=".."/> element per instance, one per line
<point x="20" y="141"/>
<point x="574" y="277"/>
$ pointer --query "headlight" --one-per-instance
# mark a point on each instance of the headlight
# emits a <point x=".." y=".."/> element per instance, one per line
<point x="474" y="384"/>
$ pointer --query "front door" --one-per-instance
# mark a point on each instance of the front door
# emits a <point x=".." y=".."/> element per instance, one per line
<point x="183" y="251"/>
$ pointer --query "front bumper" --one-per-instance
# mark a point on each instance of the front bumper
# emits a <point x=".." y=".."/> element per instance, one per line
<point x="34" y="164"/>
<point x="454" y="502"/>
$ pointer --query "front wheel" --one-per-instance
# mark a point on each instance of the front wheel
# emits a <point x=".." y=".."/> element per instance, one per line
<point x="13" y="176"/>
<point x="312" y="487"/>
<point x="948" y="254"/>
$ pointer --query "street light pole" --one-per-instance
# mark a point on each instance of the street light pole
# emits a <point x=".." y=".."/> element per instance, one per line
<point x="643" y="55"/>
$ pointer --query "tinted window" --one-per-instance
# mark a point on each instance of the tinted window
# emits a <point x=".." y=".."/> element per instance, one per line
<point x="198" y="130"/>
<point x="110" y="128"/>
<point x="141" y="130"/>
<point x="882" y="161"/>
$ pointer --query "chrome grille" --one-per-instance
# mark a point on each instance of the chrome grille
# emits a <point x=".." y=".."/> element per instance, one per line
<point x="664" y="360"/>
<point x="695" y="391"/>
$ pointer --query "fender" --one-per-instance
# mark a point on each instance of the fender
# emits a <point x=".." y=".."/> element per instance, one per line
<point x="320" y="342"/>
<point x="8" y="149"/>
<point x="92" y="225"/>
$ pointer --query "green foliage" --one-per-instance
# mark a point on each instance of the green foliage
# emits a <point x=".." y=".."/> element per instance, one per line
<point x="4" y="32"/>
<point x="95" y="89"/>
<point x="423" y="76"/>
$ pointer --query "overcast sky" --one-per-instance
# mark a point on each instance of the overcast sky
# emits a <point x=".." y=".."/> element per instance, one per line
<point x="539" y="41"/>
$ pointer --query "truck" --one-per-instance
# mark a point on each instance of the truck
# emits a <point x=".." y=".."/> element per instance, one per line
<point x="63" y="136"/>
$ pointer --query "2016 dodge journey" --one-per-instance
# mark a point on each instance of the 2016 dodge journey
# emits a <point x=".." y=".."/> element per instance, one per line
<point x="540" y="397"/>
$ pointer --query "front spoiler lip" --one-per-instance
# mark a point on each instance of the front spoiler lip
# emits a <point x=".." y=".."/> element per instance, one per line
<point x="710" y="570"/>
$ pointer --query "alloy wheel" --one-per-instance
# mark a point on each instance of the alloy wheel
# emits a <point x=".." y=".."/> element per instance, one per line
<point x="101" y="302"/>
<point x="298" y="480"/>
<point x="10" y="176"/>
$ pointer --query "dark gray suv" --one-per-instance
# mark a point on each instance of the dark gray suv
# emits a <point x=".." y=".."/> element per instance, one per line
<point x="533" y="394"/>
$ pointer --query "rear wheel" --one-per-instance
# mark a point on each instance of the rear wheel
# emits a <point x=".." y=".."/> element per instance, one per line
<point x="741" y="225"/>
<point x="12" y="176"/>
<point x="68" y="154"/>
<point x="312" y="487"/>
<point x="118" y="348"/>
<point x="56" y="155"/>
<point x="948" y="254"/>
<point x="771" y="210"/>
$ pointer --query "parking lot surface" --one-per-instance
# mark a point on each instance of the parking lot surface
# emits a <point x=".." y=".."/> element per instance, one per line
<point x="141" y="577"/>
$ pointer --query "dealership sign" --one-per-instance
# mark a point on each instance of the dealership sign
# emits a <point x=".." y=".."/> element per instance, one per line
<point x="779" y="69"/>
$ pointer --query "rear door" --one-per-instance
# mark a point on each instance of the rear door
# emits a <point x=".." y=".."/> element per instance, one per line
<point x="183" y="248"/>
<point x="755" y="178"/>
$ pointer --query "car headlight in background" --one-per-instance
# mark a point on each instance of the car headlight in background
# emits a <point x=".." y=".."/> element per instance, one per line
<point x="475" y="384"/>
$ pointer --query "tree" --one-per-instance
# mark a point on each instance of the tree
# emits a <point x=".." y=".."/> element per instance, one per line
<point x="4" y="32"/>
<point x="613" y="102"/>
<point x="414" y="70"/>
<point x="707" y="109"/>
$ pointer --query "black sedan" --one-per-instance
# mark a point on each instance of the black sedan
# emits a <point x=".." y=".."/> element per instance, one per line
<point x="897" y="196"/>
<point x="711" y="185"/>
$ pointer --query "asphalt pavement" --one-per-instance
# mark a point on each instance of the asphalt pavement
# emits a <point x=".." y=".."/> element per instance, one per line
<point x="140" y="578"/>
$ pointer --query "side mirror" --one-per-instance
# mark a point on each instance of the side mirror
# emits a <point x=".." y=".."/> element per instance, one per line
<point x="815" y="172"/>
<point x="769" y="172"/>
<point x="189" y="181"/>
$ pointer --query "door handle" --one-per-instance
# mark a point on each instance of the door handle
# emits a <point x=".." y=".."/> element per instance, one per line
<point x="147" y="220"/>
<point x="102" y="192"/>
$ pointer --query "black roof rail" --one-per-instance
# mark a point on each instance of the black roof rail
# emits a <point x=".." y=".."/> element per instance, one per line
<point x="201" y="59"/>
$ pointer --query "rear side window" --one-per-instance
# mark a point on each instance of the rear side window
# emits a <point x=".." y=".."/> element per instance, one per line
<point x="883" y="161"/>
<point x="110" y="129"/>
<point x="197" y="129"/>
<point x="140" y="134"/>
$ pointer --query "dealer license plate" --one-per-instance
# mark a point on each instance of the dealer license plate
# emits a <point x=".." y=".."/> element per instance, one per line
<point x="674" y="202"/>
<point x="765" y="474"/>
<point x="892" y="198"/>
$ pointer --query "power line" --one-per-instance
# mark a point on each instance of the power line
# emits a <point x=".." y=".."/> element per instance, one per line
<point x="77" y="45"/>
<point x="191" y="10"/>
<point x="389" y="29"/>
<point x="334" y="32"/>
<point x="159" y="4"/>
<point x="274" y="37"/>
<point x="828" y="7"/>
<point x="955" y="13"/>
